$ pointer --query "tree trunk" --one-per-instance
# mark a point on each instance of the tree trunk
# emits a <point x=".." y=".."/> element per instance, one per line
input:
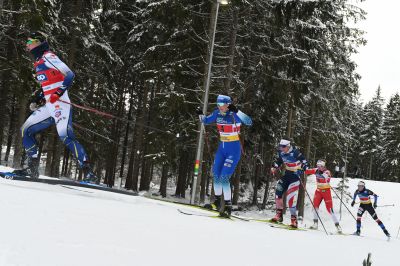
<point x="182" y="174"/>
<point x="17" y="160"/>
<point x="300" y="202"/>
<point x="236" y="183"/>
<point x="164" y="180"/>
<point x="126" y="139"/>
<point x="232" y="49"/>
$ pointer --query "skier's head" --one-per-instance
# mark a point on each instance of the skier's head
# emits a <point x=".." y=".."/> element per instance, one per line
<point x="321" y="164"/>
<point x="285" y="145"/>
<point x="36" y="44"/>
<point x="223" y="102"/>
<point x="361" y="185"/>
<point x="34" y="40"/>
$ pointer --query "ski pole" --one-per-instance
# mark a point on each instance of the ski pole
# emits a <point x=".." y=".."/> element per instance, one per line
<point x="398" y="233"/>
<point x="111" y="116"/>
<point x="309" y="197"/>
<point x="387" y="205"/>
<point x="343" y="203"/>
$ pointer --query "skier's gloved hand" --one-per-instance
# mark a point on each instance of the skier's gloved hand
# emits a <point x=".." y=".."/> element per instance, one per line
<point x="199" y="111"/>
<point x="33" y="107"/>
<point x="273" y="171"/>
<point x="233" y="108"/>
<point x="375" y="205"/>
<point x="201" y="117"/>
<point x="352" y="203"/>
<point x="55" y="96"/>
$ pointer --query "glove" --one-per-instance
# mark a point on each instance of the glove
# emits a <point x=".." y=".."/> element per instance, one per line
<point x="199" y="111"/>
<point x="304" y="167"/>
<point x="375" y="205"/>
<point x="33" y="107"/>
<point x="273" y="170"/>
<point x="352" y="203"/>
<point x="37" y="100"/>
<point x="55" y="96"/>
<point x="233" y="108"/>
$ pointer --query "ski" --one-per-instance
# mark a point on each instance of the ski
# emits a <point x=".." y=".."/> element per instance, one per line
<point x="204" y="215"/>
<point x="67" y="182"/>
<point x="77" y="189"/>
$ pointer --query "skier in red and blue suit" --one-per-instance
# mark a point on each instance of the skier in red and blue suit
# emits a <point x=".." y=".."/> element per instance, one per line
<point x="293" y="162"/>
<point x="364" y="195"/>
<point x="229" y="120"/>
<point x="50" y="106"/>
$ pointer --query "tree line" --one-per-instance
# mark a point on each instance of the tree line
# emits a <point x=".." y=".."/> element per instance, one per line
<point x="287" y="64"/>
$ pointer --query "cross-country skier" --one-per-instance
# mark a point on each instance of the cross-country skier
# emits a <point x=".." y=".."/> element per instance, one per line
<point x="293" y="163"/>
<point x="49" y="107"/>
<point x="229" y="120"/>
<point x="323" y="192"/>
<point x="366" y="205"/>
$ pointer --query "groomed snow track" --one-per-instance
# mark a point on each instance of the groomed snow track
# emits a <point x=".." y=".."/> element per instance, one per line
<point x="66" y="182"/>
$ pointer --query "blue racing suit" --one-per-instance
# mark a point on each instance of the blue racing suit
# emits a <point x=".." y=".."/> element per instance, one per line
<point x="229" y="148"/>
<point x="294" y="163"/>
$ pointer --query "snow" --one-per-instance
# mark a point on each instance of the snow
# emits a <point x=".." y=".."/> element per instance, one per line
<point x="52" y="225"/>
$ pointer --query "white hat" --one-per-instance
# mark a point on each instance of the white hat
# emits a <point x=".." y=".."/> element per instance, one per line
<point x="321" y="163"/>
<point x="284" y="142"/>
<point x="361" y="183"/>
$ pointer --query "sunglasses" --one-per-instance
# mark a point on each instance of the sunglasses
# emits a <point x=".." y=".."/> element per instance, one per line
<point x="32" y="41"/>
<point x="283" y="146"/>
<point x="221" y="104"/>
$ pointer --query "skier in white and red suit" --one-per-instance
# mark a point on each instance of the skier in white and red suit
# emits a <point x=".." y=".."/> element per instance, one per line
<point x="323" y="192"/>
<point x="50" y="106"/>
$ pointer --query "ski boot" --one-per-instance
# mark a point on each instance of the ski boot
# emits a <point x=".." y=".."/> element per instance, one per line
<point x="215" y="206"/>
<point x="315" y="225"/>
<point x="31" y="171"/>
<point x="293" y="221"/>
<point x="357" y="233"/>
<point x="338" y="228"/>
<point x="88" y="175"/>
<point x="278" y="217"/>
<point x="226" y="212"/>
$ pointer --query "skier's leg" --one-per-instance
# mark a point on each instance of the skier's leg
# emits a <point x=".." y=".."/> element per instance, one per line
<point x="316" y="202"/>
<point x="292" y="194"/>
<point x="62" y="114"/>
<point x="217" y="167"/>
<point x="281" y="188"/>
<point x="372" y="212"/>
<point x="36" y="122"/>
<point x="329" y="205"/>
<point x="360" y="213"/>
<point x="232" y="153"/>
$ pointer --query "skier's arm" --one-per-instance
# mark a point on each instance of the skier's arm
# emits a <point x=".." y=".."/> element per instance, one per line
<point x="276" y="165"/>
<point x="56" y="63"/>
<point x="303" y="160"/>
<point x="210" y="118"/>
<point x="327" y="174"/>
<point x="354" y="198"/>
<point x="375" y="197"/>
<point x="311" y="171"/>
<point x="245" y="119"/>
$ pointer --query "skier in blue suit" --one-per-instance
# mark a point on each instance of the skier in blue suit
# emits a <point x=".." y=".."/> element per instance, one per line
<point x="229" y="120"/>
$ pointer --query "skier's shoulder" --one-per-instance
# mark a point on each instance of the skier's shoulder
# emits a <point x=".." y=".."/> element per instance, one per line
<point x="369" y="192"/>
<point x="52" y="58"/>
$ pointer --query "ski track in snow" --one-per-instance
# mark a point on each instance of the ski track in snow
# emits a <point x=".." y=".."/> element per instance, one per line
<point x="51" y="225"/>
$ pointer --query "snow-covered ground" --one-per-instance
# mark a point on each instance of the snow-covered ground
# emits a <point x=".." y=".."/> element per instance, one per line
<point x="52" y="225"/>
